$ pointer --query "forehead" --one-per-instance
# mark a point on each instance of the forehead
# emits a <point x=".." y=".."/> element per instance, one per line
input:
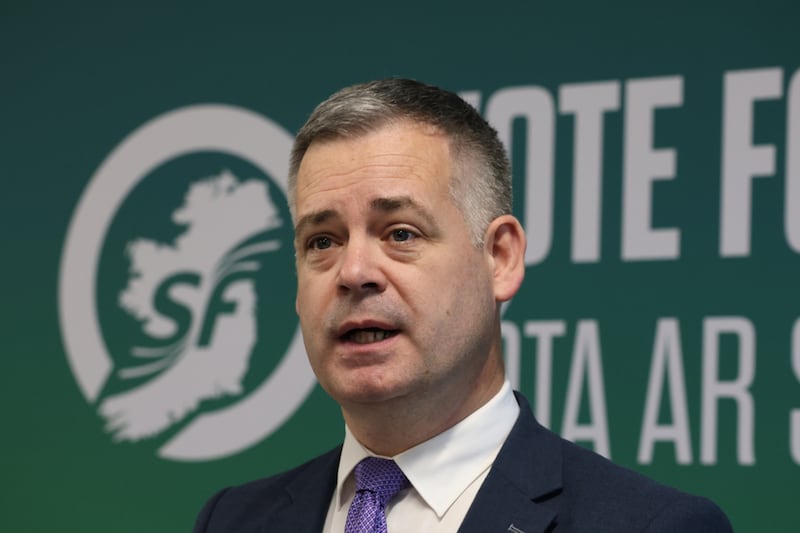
<point x="396" y="158"/>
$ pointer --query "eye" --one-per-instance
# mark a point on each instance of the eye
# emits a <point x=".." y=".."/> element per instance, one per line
<point x="323" y="242"/>
<point x="402" y="235"/>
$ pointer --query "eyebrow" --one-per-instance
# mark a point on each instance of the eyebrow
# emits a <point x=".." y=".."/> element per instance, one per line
<point x="386" y="205"/>
<point x="314" y="219"/>
<point x="393" y="204"/>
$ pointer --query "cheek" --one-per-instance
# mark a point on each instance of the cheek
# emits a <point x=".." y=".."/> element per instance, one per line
<point x="307" y="305"/>
<point x="308" y="292"/>
<point x="472" y="296"/>
<point x="300" y="302"/>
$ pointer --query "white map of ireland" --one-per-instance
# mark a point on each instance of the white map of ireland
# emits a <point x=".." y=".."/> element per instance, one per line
<point x="219" y="213"/>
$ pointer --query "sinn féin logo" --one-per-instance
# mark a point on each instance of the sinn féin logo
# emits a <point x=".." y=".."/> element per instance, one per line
<point x="175" y="297"/>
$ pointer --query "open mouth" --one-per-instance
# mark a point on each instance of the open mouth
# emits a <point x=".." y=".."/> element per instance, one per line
<point x="368" y="335"/>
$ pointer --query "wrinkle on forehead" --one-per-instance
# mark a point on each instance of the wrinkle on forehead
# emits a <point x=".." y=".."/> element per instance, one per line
<point x="395" y="154"/>
<point x="332" y="177"/>
<point x="394" y="146"/>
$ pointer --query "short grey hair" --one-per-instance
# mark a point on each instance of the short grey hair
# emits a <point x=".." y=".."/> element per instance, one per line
<point x="481" y="184"/>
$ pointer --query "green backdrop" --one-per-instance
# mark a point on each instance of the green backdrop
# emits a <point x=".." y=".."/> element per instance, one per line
<point x="149" y="344"/>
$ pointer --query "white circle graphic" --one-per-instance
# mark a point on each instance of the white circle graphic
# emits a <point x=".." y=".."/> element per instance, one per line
<point x="233" y="130"/>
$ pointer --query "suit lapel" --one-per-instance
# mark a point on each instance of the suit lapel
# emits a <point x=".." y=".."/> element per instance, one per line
<point x="308" y="497"/>
<point x="520" y="492"/>
<point x="519" y="495"/>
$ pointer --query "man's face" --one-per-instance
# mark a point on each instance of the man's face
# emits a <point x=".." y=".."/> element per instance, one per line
<point x="394" y="299"/>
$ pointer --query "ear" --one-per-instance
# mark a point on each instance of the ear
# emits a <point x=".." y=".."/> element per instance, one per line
<point x="505" y="248"/>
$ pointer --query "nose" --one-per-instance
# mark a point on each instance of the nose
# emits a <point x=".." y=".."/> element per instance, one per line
<point x="360" y="269"/>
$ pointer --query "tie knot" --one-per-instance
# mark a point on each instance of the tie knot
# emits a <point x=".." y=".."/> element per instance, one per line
<point x="380" y="476"/>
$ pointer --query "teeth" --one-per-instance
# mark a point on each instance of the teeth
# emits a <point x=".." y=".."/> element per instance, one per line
<point x="366" y="336"/>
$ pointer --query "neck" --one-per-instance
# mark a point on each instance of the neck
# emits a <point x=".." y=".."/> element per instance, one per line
<point x="392" y="427"/>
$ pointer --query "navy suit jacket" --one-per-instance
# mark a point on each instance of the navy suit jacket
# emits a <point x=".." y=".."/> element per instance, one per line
<point x="538" y="483"/>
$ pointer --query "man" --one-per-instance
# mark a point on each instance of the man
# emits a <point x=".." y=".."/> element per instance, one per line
<point x="406" y="247"/>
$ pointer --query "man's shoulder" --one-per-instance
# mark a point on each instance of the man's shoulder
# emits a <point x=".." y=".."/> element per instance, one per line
<point x="608" y="492"/>
<point x="245" y="507"/>
<point x="279" y="482"/>
<point x="584" y="491"/>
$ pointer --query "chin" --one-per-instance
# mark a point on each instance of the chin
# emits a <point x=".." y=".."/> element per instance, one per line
<point x="370" y="395"/>
<point x="366" y="385"/>
<point x="367" y="393"/>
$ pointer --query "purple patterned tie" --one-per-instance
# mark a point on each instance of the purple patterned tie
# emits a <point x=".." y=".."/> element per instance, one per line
<point x="377" y="481"/>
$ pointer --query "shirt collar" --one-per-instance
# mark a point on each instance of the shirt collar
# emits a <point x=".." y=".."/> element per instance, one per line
<point x="441" y="468"/>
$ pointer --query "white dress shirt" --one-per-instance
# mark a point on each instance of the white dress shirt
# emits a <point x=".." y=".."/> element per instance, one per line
<point x="445" y="472"/>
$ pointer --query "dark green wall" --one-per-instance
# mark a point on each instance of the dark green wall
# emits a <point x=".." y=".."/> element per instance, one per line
<point x="79" y="80"/>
